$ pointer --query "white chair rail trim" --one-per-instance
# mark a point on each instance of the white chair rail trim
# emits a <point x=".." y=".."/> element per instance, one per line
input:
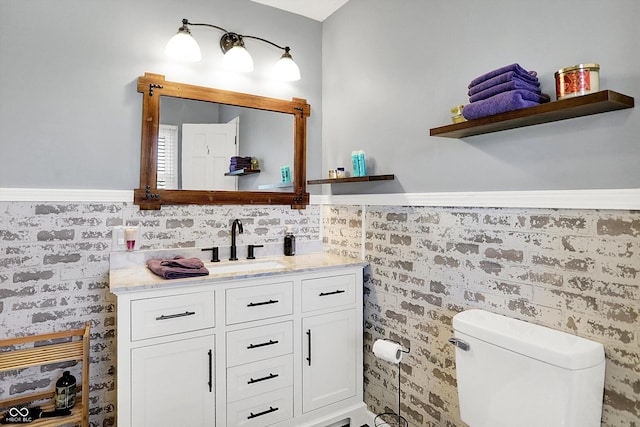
<point x="624" y="199"/>
<point x="64" y="195"/>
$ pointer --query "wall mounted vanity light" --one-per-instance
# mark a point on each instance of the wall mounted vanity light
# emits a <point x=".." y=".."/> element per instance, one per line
<point x="183" y="46"/>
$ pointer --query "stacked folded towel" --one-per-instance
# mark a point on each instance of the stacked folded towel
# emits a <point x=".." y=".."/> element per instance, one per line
<point x="178" y="267"/>
<point x="504" y="89"/>
<point x="239" y="163"/>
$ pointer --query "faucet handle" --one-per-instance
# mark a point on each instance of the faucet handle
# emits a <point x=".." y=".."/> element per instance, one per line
<point x="214" y="253"/>
<point x="250" y="249"/>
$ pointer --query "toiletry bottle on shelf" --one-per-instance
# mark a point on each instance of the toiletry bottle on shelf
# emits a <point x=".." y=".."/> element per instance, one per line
<point x="289" y="243"/>
<point x="65" y="391"/>
<point x="354" y="162"/>
<point x="362" y="165"/>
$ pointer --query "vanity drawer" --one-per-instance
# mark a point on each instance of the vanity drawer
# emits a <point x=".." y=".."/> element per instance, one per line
<point x="259" y="302"/>
<point x="262" y="410"/>
<point x="155" y="317"/>
<point x="260" y="377"/>
<point x="329" y="292"/>
<point x="263" y="342"/>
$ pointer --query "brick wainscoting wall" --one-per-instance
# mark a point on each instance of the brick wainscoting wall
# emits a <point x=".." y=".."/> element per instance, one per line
<point x="577" y="271"/>
<point x="54" y="272"/>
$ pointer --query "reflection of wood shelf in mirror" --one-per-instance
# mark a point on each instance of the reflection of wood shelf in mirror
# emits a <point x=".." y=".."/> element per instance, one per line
<point x="278" y="185"/>
<point x="569" y="108"/>
<point x="367" y="178"/>
<point x="242" y="172"/>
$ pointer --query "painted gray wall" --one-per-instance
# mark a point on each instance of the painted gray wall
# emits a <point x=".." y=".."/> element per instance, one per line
<point x="393" y="69"/>
<point x="69" y="109"/>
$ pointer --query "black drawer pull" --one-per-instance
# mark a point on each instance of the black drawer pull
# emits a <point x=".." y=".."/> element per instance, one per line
<point x="210" y="371"/>
<point x="339" y="291"/>
<point x="268" y="377"/>
<point x="173" y="316"/>
<point x="256" y="304"/>
<point x="271" y="342"/>
<point x="309" y="346"/>
<point x="259" y="414"/>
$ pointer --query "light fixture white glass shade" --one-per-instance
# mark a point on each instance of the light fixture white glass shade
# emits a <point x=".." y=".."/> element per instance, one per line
<point x="183" y="47"/>
<point x="238" y="59"/>
<point x="286" y="69"/>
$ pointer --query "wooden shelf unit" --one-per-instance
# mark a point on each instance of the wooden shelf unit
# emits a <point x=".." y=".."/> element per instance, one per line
<point x="76" y="349"/>
<point x="367" y="178"/>
<point x="568" y="108"/>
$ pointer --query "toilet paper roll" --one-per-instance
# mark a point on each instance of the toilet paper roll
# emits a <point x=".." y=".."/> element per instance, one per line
<point x="388" y="350"/>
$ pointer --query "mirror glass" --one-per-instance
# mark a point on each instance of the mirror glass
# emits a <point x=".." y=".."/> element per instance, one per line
<point x="198" y="144"/>
<point x="198" y="139"/>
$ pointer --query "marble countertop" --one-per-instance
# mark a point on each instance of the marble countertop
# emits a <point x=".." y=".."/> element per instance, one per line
<point x="139" y="277"/>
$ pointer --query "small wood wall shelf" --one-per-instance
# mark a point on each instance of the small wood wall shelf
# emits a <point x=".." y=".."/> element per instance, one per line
<point x="76" y="348"/>
<point x="593" y="103"/>
<point x="241" y="172"/>
<point x="367" y="178"/>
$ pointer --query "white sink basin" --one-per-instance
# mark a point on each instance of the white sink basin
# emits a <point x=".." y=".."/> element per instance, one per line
<point x="233" y="267"/>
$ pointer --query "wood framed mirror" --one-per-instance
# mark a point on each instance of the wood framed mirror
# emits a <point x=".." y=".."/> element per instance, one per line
<point x="152" y="195"/>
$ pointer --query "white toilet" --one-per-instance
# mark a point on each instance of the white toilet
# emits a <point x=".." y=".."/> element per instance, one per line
<point x="515" y="374"/>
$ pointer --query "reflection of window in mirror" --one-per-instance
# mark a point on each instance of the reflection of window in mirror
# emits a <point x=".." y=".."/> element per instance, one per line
<point x="167" y="157"/>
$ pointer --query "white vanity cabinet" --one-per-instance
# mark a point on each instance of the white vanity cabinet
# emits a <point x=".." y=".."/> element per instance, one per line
<point x="166" y="358"/>
<point x="330" y="363"/>
<point x="281" y="349"/>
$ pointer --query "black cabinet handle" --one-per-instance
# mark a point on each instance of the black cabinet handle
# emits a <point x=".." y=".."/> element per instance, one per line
<point x="256" y="304"/>
<point x="309" y="346"/>
<point x="339" y="291"/>
<point x="271" y="342"/>
<point x="210" y="370"/>
<point x="268" y="377"/>
<point x="259" y="414"/>
<point x="173" y="316"/>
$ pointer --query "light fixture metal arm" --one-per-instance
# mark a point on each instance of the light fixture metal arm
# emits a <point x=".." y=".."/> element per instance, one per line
<point x="286" y="48"/>
<point x="186" y="22"/>
<point x="242" y="36"/>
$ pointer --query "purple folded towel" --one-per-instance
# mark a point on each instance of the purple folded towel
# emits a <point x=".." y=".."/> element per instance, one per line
<point x="178" y="267"/>
<point x="517" y="69"/>
<point x="504" y="78"/>
<point x="504" y="87"/>
<point x="503" y="102"/>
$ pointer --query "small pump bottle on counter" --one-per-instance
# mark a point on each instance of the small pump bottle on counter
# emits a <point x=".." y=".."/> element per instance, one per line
<point x="66" y="391"/>
<point x="289" y="243"/>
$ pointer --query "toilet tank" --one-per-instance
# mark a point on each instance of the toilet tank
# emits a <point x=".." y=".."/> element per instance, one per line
<point x="514" y="373"/>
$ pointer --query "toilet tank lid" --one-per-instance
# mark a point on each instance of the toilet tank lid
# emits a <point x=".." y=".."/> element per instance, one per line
<point x="539" y="342"/>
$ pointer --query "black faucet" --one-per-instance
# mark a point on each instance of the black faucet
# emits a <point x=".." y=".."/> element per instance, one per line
<point x="236" y="223"/>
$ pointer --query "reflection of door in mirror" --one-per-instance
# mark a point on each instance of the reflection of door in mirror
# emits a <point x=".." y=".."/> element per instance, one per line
<point x="206" y="150"/>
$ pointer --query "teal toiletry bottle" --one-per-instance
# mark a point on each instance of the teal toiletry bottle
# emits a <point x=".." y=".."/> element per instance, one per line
<point x="354" y="161"/>
<point x="362" y="165"/>
<point x="66" y="391"/>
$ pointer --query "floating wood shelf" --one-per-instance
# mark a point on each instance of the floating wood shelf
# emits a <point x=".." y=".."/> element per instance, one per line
<point x="241" y="172"/>
<point x="367" y="178"/>
<point x="277" y="185"/>
<point x="593" y="103"/>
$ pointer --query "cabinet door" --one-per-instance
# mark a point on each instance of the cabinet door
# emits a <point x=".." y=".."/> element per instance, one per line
<point x="172" y="384"/>
<point x="329" y="365"/>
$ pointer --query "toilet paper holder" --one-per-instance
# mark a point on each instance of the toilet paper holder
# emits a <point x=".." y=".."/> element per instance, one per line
<point x="390" y="351"/>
